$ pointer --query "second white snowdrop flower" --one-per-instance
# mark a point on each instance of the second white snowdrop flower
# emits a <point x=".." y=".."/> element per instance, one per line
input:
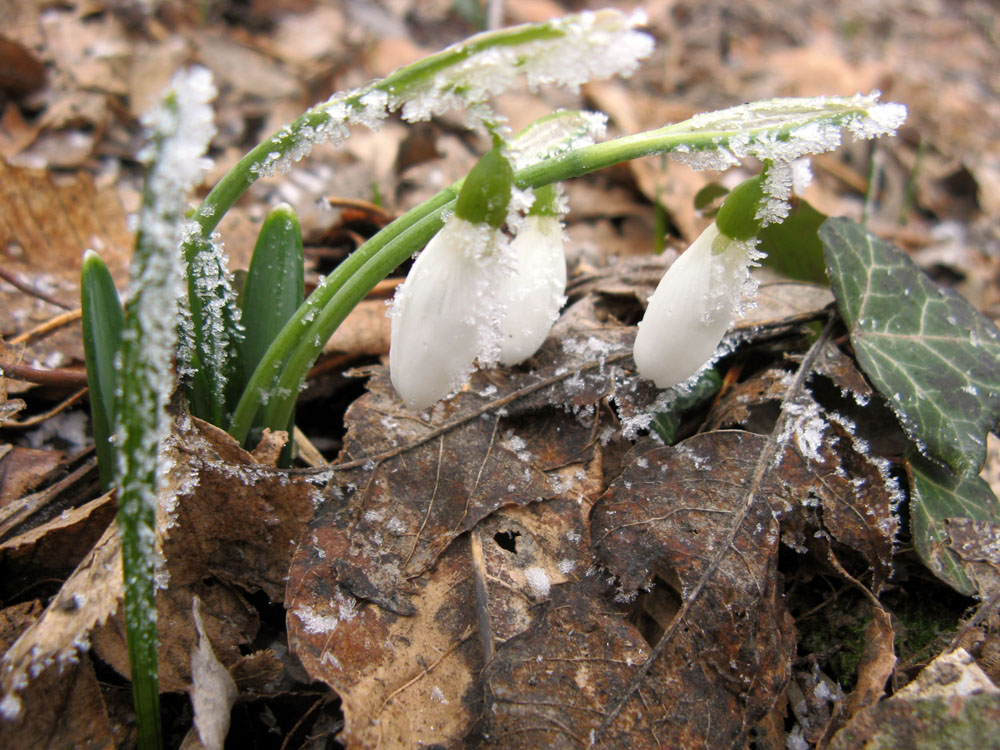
<point x="442" y="311"/>
<point x="445" y="314"/>
<point x="700" y="294"/>
<point x="533" y="289"/>
<point x="692" y="307"/>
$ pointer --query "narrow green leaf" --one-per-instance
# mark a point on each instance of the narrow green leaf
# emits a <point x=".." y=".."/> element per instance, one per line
<point x="939" y="494"/>
<point x="103" y="321"/>
<point x="213" y="335"/>
<point x="793" y="246"/>
<point x="926" y="349"/>
<point x="274" y="286"/>
<point x="273" y="290"/>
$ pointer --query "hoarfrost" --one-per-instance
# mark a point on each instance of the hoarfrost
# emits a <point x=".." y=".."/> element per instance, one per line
<point x="10" y="707"/>
<point x="538" y="581"/>
<point x="780" y="132"/>
<point x="806" y="426"/>
<point x="315" y="622"/>
<point x="567" y="52"/>
<point x="180" y="129"/>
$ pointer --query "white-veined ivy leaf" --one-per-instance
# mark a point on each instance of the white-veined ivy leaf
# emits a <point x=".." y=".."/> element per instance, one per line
<point x="938" y="494"/>
<point x="925" y="348"/>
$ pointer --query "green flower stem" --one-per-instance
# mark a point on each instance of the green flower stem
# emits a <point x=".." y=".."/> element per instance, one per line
<point x="374" y="260"/>
<point x="397" y="85"/>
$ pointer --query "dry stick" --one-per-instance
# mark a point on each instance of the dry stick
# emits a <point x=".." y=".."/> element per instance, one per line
<point x="767" y="454"/>
<point x="47" y="327"/>
<point x="25" y="287"/>
<point x="43" y="377"/>
<point x="39" y="418"/>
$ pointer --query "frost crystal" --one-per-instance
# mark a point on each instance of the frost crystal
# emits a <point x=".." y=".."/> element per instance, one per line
<point x="564" y="52"/>
<point x="180" y="130"/>
<point x="781" y="132"/>
<point x="538" y="581"/>
<point x="692" y="308"/>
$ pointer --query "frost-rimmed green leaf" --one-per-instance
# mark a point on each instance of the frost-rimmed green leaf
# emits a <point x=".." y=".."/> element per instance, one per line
<point x="938" y="494"/>
<point x="180" y="129"/>
<point x="924" y="347"/>
<point x="103" y="321"/>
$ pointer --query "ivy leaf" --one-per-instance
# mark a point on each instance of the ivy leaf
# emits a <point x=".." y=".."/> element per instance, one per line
<point x="924" y="347"/>
<point x="939" y="495"/>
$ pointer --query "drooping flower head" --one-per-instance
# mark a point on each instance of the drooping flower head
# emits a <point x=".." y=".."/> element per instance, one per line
<point x="473" y="294"/>
<point x="533" y="289"/>
<point x="441" y="314"/>
<point x="699" y="295"/>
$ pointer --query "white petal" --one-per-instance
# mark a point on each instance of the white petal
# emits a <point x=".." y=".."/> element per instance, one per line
<point x="437" y="314"/>
<point x="533" y="291"/>
<point x="691" y="309"/>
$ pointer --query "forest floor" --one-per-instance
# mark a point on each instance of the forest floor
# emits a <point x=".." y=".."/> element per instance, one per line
<point x="339" y="595"/>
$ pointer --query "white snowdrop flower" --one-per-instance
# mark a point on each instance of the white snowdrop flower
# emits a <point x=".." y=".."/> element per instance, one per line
<point x="532" y="291"/>
<point x="692" y="307"/>
<point x="441" y="314"/>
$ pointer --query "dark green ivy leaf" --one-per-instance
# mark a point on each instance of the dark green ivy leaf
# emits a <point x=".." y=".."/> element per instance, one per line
<point x="938" y="494"/>
<point x="924" y="347"/>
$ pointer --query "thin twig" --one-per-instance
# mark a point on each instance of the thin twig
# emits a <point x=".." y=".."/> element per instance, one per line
<point x="72" y="378"/>
<point x="39" y="418"/>
<point x="27" y="288"/>
<point x="47" y="327"/>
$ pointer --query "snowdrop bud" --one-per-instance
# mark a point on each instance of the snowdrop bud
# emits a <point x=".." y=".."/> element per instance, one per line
<point x="533" y="289"/>
<point x="441" y="314"/>
<point x="692" y="307"/>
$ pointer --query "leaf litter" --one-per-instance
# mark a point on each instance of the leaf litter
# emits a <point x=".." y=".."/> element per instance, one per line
<point x="537" y="547"/>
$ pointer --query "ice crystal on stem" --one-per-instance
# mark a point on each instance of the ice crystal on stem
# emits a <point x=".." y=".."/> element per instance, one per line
<point x="564" y="52"/>
<point x="809" y="125"/>
<point x="180" y="130"/>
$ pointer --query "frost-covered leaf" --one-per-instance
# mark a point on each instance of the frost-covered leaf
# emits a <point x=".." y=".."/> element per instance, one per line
<point x="940" y="498"/>
<point x="925" y="348"/>
<point x="221" y="515"/>
<point x="661" y="523"/>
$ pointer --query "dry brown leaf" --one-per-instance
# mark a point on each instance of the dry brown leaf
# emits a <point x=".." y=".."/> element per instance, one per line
<point x="212" y="692"/>
<point x="229" y="620"/>
<point x="660" y="523"/>
<point x="54" y="548"/>
<point x="59" y="710"/>
<point x="233" y="519"/>
<point x="23" y="469"/>
<point x="951" y="703"/>
<point x="48" y="223"/>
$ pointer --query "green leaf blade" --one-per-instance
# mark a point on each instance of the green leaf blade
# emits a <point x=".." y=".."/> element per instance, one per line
<point x="924" y="347"/>
<point x="103" y="321"/>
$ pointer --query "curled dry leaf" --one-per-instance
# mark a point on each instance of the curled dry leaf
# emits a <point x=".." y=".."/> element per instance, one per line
<point x="212" y="692"/>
